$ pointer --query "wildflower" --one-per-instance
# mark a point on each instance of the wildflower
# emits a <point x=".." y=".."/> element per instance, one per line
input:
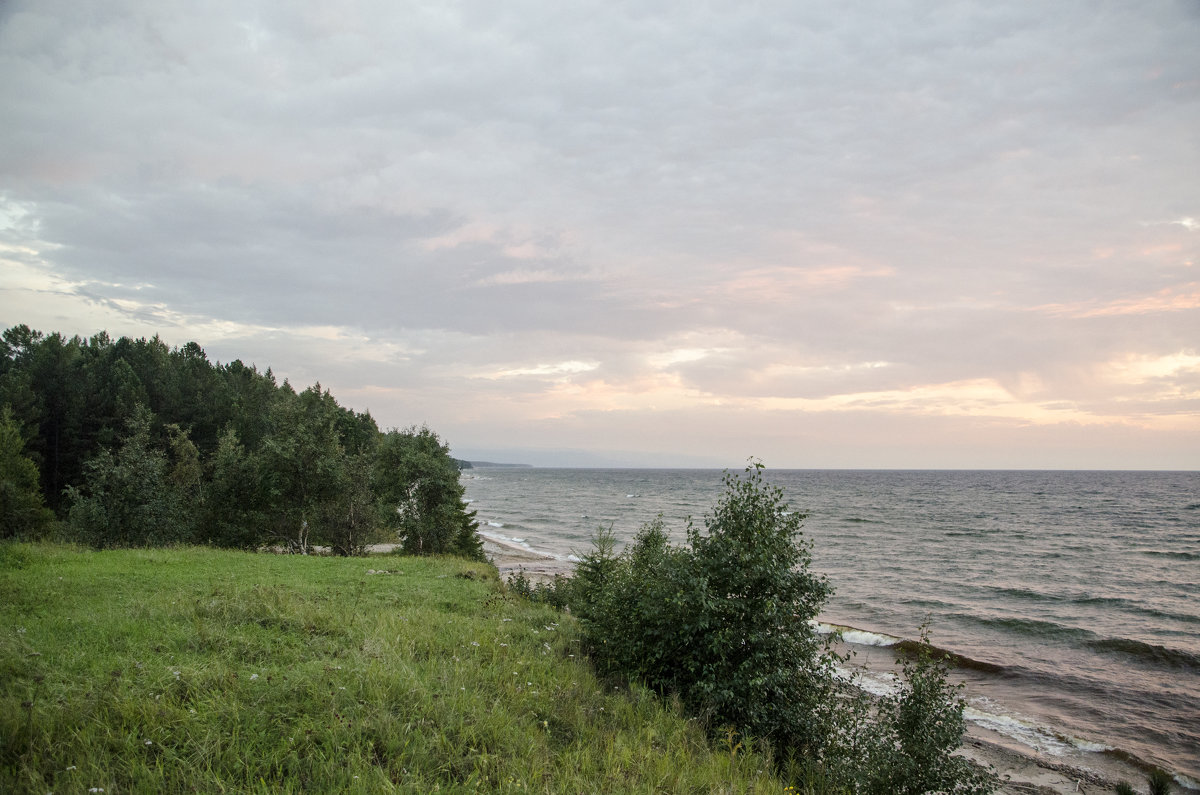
<point x="253" y="677"/>
<point x="149" y="742"/>
<point x="72" y="767"/>
<point x="474" y="643"/>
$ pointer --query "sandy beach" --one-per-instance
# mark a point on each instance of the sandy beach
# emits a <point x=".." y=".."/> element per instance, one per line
<point x="1019" y="773"/>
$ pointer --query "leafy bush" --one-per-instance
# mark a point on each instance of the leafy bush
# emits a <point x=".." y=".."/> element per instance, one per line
<point x="907" y="747"/>
<point x="128" y="498"/>
<point x="1160" y="782"/>
<point x="418" y="482"/>
<point x="556" y="593"/>
<point x="726" y="624"/>
<point x="722" y="622"/>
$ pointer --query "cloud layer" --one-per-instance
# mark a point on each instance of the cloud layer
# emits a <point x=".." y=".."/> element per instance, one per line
<point x="893" y="235"/>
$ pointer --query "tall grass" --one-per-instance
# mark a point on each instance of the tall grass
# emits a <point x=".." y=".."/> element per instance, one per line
<point x="181" y="670"/>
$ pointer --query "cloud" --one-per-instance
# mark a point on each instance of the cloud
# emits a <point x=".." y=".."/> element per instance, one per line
<point x="883" y="211"/>
<point x="1177" y="298"/>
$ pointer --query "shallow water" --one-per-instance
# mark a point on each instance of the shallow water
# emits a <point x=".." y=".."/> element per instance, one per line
<point x="1073" y="598"/>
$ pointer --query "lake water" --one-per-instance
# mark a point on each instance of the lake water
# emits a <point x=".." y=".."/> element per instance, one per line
<point x="1073" y="598"/>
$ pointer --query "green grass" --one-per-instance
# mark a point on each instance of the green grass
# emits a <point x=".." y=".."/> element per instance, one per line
<point x="181" y="670"/>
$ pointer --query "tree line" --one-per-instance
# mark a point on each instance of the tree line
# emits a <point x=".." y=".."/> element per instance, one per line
<point x="130" y="442"/>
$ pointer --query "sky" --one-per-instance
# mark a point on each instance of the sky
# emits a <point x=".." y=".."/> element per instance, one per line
<point x="874" y="235"/>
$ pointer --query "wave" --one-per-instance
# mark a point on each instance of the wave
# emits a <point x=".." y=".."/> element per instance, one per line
<point x="1024" y="626"/>
<point x="862" y="637"/>
<point x="859" y="637"/>
<point x="1165" y="553"/>
<point x="1139" y="651"/>
<point x="1151" y="652"/>
<point x="1088" y="600"/>
<point x="915" y="647"/>
<point x="1023" y="593"/>
<point x="1028" y="732"/>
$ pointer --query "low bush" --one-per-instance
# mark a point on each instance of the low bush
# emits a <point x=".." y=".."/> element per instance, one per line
<point x="726" y="624"/>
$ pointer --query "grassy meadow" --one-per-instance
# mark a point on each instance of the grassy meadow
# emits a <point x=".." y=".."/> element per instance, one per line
<point x="195" y="670"/>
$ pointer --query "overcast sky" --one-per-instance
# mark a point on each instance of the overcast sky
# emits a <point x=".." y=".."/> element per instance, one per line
<point x="879" y="234"/>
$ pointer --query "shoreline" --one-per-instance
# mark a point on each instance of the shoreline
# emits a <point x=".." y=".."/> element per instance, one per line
<point x="1018" y="772"/>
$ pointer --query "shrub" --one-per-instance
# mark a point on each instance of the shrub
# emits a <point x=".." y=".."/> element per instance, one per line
<point x="556" y="593"/>
<point x="908" y="747"/>
<point x="418" y="483"/>
<point x="724" y="622"/>
<point x="127" y="498"/>
<point x="1160" y="782"/>
<point x="727" y="624"/>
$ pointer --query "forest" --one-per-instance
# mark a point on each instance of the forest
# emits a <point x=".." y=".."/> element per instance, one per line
<point x="131" y="442"/>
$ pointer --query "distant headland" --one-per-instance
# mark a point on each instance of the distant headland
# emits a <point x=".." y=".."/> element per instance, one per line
<point x="490" y="465"/>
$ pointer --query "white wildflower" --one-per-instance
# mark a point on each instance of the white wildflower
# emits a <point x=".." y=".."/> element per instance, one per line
<point x="253" y="677"/>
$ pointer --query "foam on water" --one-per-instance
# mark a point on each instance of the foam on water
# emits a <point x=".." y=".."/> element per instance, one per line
<point x="859" y="637"/>
<point x="1030" y="733"/>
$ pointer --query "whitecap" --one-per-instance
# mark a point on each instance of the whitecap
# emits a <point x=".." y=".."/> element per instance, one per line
<point x="859" y="637"/>
<point x="1025" y="731"/>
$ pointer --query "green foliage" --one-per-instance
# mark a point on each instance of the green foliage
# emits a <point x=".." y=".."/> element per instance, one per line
<point x="419" y="487"/>
<point x="724" y="622"/>
<point x="907" y="746"/>
<point x="556" y="593"/>
<point x="127" y="497"/>
<point x="1160" y="782"/>
<point x="303" y="468"/>
<point x="226" y="456"/>
<point x="1124" y="788"/>
<point x="22" y="512"/>
<point x="234" y="514"/>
